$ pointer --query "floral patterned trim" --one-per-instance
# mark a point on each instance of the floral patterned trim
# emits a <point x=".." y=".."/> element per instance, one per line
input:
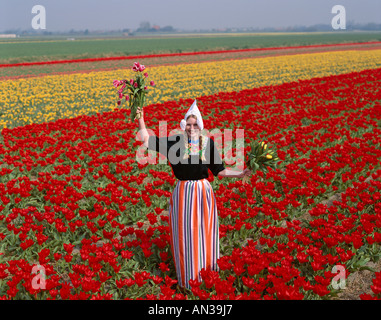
<point x="204" y="143"/>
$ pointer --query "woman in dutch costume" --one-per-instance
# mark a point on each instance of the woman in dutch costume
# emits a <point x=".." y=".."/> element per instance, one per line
<point x="193" y="216"/>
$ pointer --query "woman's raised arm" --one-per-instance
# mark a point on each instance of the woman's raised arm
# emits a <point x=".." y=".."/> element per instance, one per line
<point x="143" y="133"/>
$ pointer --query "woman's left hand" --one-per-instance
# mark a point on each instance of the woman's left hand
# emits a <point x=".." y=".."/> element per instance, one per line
<point x="247" y="172"/>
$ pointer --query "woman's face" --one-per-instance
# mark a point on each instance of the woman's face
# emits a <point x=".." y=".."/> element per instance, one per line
<point x="192" y="128"/>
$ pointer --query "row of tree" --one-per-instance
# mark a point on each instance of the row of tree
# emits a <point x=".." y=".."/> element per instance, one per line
<point x="145" y="26"/>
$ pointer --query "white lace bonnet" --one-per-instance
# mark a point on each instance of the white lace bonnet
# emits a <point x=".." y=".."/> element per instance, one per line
<point x="195" y="111"/>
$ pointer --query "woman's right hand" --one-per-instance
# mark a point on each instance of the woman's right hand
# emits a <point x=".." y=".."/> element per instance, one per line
<point x="139" y="111"/>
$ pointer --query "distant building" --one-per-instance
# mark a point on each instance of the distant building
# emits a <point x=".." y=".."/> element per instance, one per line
<point x="157" y="28"/>
<point x="5" y="35"/>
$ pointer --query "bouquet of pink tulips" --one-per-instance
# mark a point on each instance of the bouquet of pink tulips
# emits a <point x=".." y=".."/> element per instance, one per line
<point x="134" y="90"/>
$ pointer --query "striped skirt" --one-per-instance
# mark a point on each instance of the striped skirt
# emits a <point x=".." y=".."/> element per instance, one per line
<point x="193" y="222"/>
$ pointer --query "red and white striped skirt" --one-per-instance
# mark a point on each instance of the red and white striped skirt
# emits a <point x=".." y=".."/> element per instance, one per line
<point x="193" y="222"/>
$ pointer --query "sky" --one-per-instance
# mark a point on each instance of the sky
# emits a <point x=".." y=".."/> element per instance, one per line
<point x="64" y="15"/>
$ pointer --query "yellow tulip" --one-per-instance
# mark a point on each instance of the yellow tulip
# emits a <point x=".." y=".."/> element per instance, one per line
<point x="80" y="93"/>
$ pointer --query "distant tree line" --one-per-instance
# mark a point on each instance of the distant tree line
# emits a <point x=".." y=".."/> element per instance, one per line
<point x="146" y="27"/>
<point x="350" y="26"/>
